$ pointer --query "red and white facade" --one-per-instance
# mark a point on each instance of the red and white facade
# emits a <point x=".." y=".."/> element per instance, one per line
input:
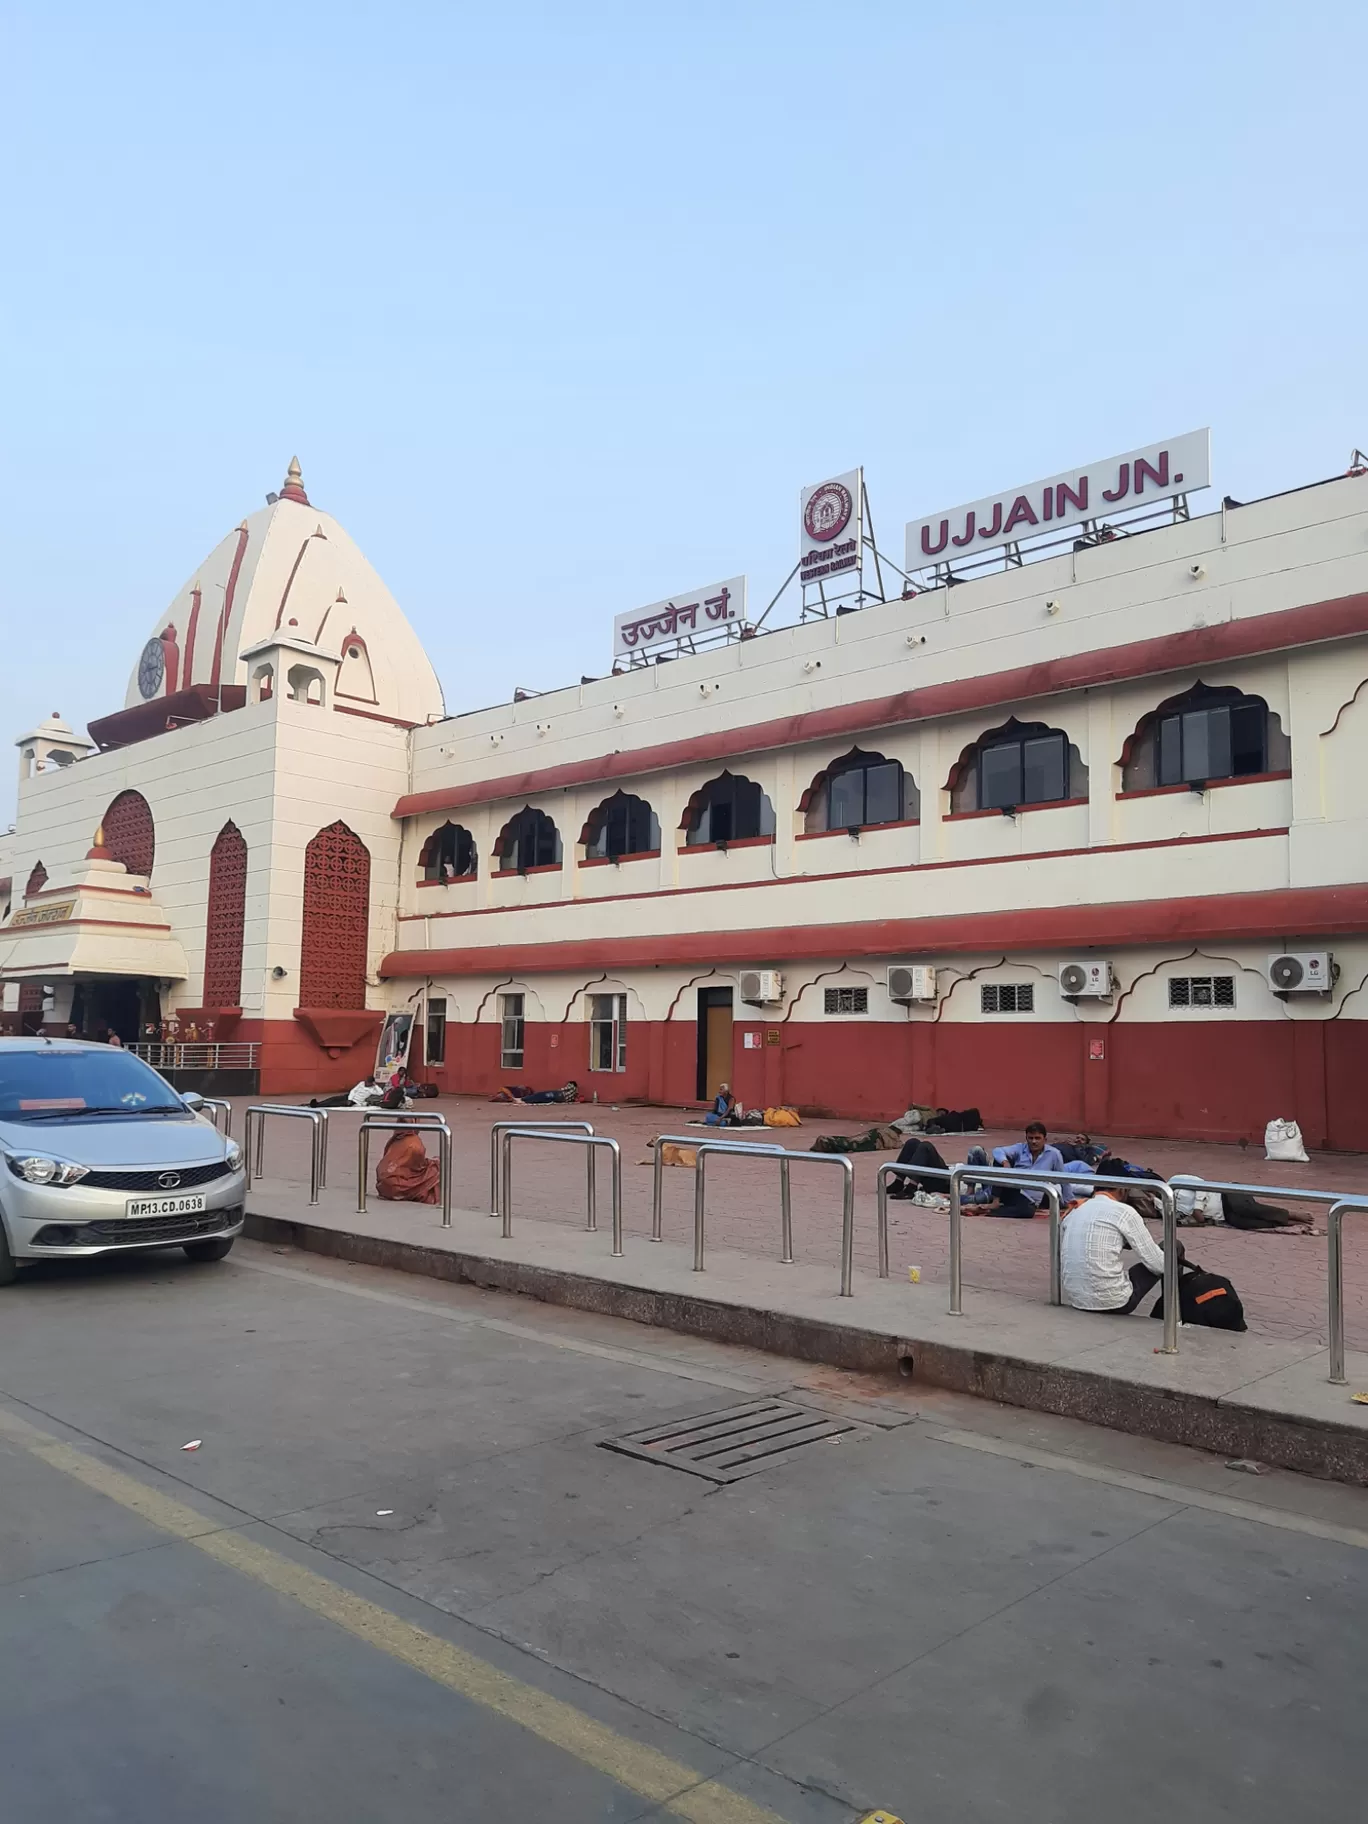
<point x="387" y="855"/>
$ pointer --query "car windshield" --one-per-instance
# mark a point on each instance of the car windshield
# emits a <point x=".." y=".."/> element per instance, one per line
<point x="35" y="1085"/>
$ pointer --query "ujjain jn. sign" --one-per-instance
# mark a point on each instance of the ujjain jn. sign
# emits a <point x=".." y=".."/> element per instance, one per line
<point x="1159" y="472"/>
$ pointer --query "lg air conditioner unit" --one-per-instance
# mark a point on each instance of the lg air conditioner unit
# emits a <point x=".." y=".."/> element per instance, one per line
<point x="761" y="987"/>
<point x="911" y="982"/>
<point x="1085" y="980"/>
<point x="1301" y="972"/>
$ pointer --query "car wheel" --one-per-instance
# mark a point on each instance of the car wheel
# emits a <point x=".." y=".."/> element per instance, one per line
<point x="209" y="1250"/>
<point x="9" y="1266"/>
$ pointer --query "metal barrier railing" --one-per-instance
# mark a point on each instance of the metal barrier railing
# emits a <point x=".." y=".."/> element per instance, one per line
<point x="707" y="1148"/>
<point x="422" y="1124"/>
<point x="261" y="1111"/>
<point x="1336" y="1277"/>
<point x="589" y="1142"/>
<point x="1047" y="1182"/>
<point x="983" y="1174"/>
<point x="213" y="1103"/>
<point x="506" y="1127"/>
<point x="694" y="1141"/>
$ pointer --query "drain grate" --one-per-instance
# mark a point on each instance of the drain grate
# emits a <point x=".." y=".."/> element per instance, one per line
<point x="736" y="1441"/>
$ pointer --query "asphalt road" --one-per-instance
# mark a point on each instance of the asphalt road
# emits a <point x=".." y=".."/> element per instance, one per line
<point x="400" y="1579"/>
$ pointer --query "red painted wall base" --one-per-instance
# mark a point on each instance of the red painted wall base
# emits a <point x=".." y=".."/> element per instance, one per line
<point x="1222" y="1080"/>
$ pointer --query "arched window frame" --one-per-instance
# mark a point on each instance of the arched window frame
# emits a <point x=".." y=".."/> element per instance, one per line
<point x="729" y="808"/>
<point x="1207" y="735"/>
<point x="335" y="930"/>
<point x="225" y="919"/>
<point x="1061" y="776"/>
<point x="529" y="843"/>
<point x="447" y="856"/>
<point x="622" y="828"/>
<point x="855" y="768"/>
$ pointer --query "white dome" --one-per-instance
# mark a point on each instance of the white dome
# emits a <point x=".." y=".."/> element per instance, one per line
<point x="291" y="570"/>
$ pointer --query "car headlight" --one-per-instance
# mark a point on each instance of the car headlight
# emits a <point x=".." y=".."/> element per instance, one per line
<point x="37" y="1168"/>
<point x="232" y="1152"/>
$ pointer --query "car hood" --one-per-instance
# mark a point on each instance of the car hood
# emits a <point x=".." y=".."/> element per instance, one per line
<point x="118" y="1140"/>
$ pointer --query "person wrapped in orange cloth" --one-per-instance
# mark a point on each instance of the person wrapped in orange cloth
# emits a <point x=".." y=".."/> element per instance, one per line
<point x="406" y="1172"/>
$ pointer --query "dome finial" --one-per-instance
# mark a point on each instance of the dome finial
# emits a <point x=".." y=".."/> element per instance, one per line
<point x="98" y="851"/>
<point x="292" y="488"/>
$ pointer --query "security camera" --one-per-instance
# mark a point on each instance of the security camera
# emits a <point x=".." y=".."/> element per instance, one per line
<point x="1196" y="572"/>
<point x="277" y="974"/>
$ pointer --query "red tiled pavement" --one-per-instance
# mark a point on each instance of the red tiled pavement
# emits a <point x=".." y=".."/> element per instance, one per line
<point x="1280" y="1277"/>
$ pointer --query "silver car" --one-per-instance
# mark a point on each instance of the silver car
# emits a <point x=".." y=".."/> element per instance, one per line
<point x="99" y="1155"/>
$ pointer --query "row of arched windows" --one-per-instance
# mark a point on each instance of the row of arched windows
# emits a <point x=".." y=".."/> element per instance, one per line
<point x="1205" y="735"/>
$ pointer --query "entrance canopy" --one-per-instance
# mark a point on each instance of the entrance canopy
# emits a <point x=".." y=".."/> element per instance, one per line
<point x="103" y="921"/>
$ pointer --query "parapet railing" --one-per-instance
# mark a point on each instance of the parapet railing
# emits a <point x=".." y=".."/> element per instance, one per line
<point x="420" y="1124"/>
<point x="261" y="1112"/>
<point x="527" y="1123"/>
<point x="589" y="1142"/>
<point x="694" y="1141"/>
<point x="707" y="1148"/>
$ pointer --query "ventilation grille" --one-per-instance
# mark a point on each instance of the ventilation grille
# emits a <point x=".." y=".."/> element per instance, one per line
<point x="845" y="1000"/>
<point x="1007" y="997"/>
<point x="1201" y="991"/>
<point x="737" y="1441"/>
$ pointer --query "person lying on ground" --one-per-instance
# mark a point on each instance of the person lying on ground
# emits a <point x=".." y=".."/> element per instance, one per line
<point x="919" y="1152"/>
<point x="1093" y="1238"/>
<point x="522" y="1094"/>
<point x="1033" y="1154"/>
<point x="365" y="1094"/>
<point x="723" y="1111"/>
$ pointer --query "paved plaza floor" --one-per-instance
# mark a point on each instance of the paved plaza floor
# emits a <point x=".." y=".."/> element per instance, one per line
<point x="1281" y="1278"/>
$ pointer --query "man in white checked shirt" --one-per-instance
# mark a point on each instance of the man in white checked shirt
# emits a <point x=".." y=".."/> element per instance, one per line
<point x="1092" y="1276"/>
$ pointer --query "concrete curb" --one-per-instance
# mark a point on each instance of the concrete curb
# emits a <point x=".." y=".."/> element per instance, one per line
<point x="1224" y="1426"/>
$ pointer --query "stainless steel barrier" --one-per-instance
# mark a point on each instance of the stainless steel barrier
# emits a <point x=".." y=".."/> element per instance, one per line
<point x="393" y="1124"/>
<point x="217" y="1102"/>
<point x="693" y="1140"/>
<point x="589" y="1142"/>
<point x="530" y="1121"/>
<point x="998" y="1174"/>
<point x="705" y="1150"/>
<point x="986" y="1172"/>
<point x="253" y="1155"/>
<point x="1337" y="1210"/>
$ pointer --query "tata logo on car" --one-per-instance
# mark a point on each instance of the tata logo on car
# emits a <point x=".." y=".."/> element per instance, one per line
<point x="169" y="1180"/>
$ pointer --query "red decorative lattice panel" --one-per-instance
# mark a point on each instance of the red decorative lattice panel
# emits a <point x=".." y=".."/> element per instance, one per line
<point x="128" y="832"/>
<point x="37" y="880"/>
<point x="332" y="967"/>
<point x="227" y="910"/>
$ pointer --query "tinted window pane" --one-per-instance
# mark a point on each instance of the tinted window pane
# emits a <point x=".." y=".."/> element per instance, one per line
<point x="747" y="814"/>
<point x="1247" y="743"/>
<point x="999" y="777"/>
<point x="883" y="793"/>
<point x="845" y="804"/>
<point x="1042" y="769"/>
<point x="720" y="824"/>
<point x="1170" y="751"/>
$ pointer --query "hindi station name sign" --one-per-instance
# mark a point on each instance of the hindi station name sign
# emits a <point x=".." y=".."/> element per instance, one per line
<point x="706" y="610"/>
<point x="1118" y="484"/>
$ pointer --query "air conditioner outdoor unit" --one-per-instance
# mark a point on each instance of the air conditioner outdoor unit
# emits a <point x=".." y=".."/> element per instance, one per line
<point x="761" y="987"/>
<point x="1085" y="979"/>
<point x="911" y="982"/>
<point x="1301" y="972"/>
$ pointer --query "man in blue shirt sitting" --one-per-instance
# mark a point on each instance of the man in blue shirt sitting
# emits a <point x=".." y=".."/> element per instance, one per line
<point x="1033" y="1154"/>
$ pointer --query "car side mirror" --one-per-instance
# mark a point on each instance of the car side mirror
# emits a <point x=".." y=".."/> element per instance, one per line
<point x="192" y="1100"/>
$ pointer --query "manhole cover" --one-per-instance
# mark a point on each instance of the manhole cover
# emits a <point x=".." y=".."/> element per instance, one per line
<point x="737" y="1441"/>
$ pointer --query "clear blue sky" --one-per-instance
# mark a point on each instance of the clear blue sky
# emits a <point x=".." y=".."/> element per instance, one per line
<point x="560" y="305"/>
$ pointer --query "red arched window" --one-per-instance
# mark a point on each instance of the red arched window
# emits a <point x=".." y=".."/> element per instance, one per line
<point x="37" y="880"/>
<point x="128" y="832"/>
<point x="223" y="927"/>
<point x="332" y="967"/>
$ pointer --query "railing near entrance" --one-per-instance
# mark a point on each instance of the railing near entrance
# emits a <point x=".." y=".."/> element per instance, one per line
<point x="422" y="1124"/>
<point x="230" y="1055"/>
<point x="708" y="1148"/>
<point x="506" y="1127"/>
<point x="591" y="1143"/>
<point x="261" y="1112"/>
<point x="693" y="1142"/>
